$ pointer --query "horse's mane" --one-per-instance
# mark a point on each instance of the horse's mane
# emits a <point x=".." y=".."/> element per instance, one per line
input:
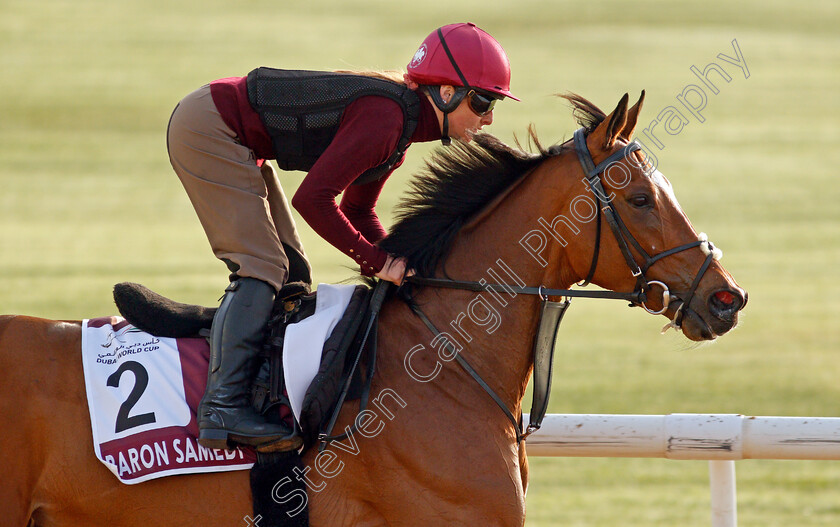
<point x="458" y="182"/>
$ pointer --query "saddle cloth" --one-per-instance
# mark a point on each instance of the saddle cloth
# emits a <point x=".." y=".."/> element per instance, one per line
<point x="143" y="391"/>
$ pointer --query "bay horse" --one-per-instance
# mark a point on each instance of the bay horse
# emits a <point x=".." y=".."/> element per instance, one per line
<point x="432" y="448"/>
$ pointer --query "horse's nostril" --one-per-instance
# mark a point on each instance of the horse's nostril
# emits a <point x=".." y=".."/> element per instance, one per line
<point x="725" y="303"/>
<point x="725" y="297"/>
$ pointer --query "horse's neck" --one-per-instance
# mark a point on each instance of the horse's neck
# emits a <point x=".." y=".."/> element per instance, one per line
<point x="501" y="327"/>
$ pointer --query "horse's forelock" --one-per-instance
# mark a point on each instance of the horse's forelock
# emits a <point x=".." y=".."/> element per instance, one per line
<point x="585" y="112"/>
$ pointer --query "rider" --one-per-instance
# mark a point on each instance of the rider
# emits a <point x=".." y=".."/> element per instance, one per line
<point x="349" y="132"/>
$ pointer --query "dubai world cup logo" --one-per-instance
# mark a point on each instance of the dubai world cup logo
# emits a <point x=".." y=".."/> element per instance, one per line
<point x="418" y="57"/>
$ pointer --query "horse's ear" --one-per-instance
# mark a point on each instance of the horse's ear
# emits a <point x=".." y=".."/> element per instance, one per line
<point x="607" y="132"/>
<point x="632" y="117"/>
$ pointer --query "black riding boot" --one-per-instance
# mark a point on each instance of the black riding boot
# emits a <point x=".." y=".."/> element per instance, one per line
<point x="225" y="415"/>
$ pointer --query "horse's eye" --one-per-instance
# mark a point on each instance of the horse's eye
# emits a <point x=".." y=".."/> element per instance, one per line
<point x="639" y="201"/>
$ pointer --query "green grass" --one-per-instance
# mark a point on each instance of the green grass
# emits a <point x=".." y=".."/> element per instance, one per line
<point x="89" y="199"/>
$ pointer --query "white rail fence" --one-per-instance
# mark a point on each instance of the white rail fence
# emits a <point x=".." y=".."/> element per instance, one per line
<point x="719" y="438"/>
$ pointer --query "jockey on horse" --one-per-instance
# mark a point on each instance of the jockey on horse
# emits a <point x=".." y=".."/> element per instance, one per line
<point x="349" y="131"/>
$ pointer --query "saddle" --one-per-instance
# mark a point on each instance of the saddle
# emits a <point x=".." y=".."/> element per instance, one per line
<point x="337" y="373"/>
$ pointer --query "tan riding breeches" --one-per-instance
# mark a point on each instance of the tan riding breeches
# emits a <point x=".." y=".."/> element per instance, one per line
<point x="241" y="206"/>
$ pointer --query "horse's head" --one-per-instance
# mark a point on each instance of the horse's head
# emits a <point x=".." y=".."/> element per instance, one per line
<point x="646" y="243"/>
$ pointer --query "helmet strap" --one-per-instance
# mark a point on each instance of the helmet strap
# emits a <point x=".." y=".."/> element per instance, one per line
<point x="452" y="103"/>
<point x="444" y="133"/>
<point x="446" y="107"/>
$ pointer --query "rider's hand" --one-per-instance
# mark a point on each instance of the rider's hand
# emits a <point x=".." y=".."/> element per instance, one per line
<point x="394" y="270"/>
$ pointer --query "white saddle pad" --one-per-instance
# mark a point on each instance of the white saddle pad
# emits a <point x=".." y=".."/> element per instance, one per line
<point x="304" y="341"/>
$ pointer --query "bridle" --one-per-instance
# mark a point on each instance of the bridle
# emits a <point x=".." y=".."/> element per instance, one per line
<point x="624" y="238"/>
<point x="622" y="235"/>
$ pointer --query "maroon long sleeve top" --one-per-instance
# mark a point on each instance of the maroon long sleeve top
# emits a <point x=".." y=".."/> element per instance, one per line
<point x="368" y="134"/>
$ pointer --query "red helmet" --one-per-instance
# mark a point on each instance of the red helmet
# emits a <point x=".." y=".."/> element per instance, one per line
<point x="462" y="54"/>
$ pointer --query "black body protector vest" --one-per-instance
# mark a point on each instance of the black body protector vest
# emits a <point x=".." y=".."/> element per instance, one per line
<point x="301" y="110"/>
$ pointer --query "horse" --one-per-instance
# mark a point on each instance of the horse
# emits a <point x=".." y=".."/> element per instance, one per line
<point x="432" y="447"/>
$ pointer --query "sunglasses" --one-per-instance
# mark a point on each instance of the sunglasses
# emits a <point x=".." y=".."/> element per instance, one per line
<point x="481" y="103"/>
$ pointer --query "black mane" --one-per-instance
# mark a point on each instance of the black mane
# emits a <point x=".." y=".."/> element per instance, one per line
<point x="457" y="183"/>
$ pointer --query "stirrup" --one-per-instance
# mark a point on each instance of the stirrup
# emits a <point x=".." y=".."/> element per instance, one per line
<point x="225" y="439"/>
<point x="285" y="444"/>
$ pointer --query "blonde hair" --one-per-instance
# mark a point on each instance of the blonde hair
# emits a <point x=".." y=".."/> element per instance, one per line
<point x="388" y="75"/>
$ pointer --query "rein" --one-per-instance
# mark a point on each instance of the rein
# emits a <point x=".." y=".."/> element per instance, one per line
<point x="544" y="346"/>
